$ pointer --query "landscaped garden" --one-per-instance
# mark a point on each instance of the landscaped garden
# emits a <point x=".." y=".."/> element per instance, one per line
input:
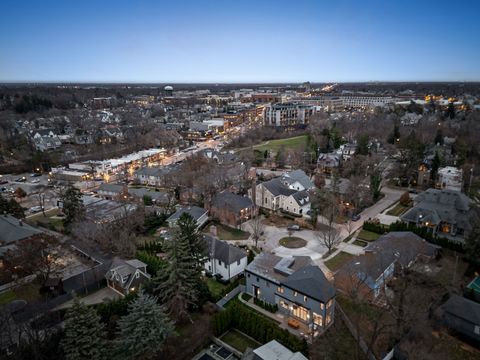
<point x="239" y="340"/>
<point x="338" y="260"/>
<point x="292" y="242"/>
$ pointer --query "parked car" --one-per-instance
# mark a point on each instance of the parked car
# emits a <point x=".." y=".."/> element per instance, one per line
<point x="294" y="227"/>
<point x="3" y="182"/>
<point x="22" y="179"/>
<point x="356" y="217"/>
<point x="35" y="175"/>
<point x="35" y="209"/>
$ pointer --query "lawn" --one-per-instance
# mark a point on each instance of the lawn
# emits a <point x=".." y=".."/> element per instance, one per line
<point x="360" y="243"/>
<point x="215" y="288"/>
<point x="398" y="210"/>
<point x="50" y="220"/>
<point x="289" y="143"/>
<point x="239" y="341"/>
<point x="292" y="242"/>
<point x="338" y="260"/>
<point x="6" y="297"/>
<point x="368" y="235"/>
<point x="225" y="232"/>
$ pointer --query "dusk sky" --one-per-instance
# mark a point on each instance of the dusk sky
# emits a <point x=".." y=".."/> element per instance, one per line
<point x="239" y="41"/>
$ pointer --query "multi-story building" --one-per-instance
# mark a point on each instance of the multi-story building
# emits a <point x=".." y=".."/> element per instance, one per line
<point x="288" y="114"/>
<point x="299" y="288"/>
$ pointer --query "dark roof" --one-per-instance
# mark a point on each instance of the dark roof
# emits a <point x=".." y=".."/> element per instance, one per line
<point x="463" y="308"/>
<point x="300" y="176"/>
<point x="13" y="229"/>
<point x="276" y="187"/>
<point x="223" y="251"/>
<point x="231" y="201"/>
<point x="264" y="265"/>
<point x="194" y="211"/>
<point x="311" y="281"/>
<point x="301" y="197"/>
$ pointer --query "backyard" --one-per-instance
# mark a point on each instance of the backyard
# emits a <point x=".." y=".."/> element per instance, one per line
<point x="216" y="289"/>
<point x="51" y="220"/>
<point x="27" y="292"/>
<point x="239" y="340"/>
<point x="338" y="260"/>
<point x="225" y="232"/>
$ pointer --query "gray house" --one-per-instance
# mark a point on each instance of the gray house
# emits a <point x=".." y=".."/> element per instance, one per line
<point x="197" y="213"/>
<point x="447" y="212"/>
<point x="462" y="316"/>
<point x="299" y="288"/>
<point x="126" y="276"/>
<point x="224" y="259"/>
<point x="12" y="231"/>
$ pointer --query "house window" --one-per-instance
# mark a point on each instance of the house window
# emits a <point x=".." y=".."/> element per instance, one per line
<point x="238" y="262"/>
<point x="137" y="275"/>
<point x="225" y="265"/>
<point x="295" y="293"/>
<point x="322" y="306"/>
<point x="268" y="284"/>
<point x="328" y="320"/>
<point x="329" y="303"/>
<point x="305" y="299"/>
<point x="248" y="275"/>
<point x="219" y="263"/>
<point x="317" y="319"/>
<point x="258" y="280"/>
<point x="280" y="290"/>
<point x="284" y="304"/>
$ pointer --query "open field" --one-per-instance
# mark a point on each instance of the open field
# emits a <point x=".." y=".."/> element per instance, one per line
<point x="289" y="143"/>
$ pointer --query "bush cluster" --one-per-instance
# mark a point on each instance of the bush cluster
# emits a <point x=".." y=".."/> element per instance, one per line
<point x="269" y="307"/>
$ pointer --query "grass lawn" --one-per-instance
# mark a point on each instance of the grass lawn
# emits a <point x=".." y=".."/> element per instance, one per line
<point x="289" y="143"/>
<point x="398" y="210"/>
<point x="360" y="243"/>
<point x="215" y="288"/>
<point x="348" y="238"/>
<point x="239" y="341"/>
<point x="368" y="235"/>
<point x="292" y="242"/>
<point x="6" y="297"/>
<point x="48" y="220"/>
<point x="28" y="291"/>
<point x="338" y="260"/>
<point x="228" y="233"/>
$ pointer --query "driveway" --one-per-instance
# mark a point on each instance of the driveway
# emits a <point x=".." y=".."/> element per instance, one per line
<point x="103" y="295"/>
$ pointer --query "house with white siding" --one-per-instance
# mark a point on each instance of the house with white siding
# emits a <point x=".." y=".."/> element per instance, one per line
<point x="224" y="259"/>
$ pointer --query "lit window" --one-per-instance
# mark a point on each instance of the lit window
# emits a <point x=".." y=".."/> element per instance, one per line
<point x="280" y="290"/>
<point x="295" y="293"/>
<point x="304" y="299"/>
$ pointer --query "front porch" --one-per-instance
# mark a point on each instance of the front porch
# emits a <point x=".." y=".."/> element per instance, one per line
<point x="294" y="325"/>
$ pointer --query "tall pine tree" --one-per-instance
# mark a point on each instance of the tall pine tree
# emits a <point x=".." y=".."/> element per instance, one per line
<point x="84" y="334"/>
<point x="187" y="230"/>
<point x="176" y="285"/>
<point x="143" y="330"/>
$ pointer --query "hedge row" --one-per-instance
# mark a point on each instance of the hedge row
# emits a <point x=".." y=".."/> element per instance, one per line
<point x="423" y="232"/>
<point x="256" y="326"/>
<point x="269" y="307"/>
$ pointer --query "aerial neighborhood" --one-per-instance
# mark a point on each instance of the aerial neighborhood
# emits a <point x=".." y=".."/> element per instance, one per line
<point x="296" y="221"/>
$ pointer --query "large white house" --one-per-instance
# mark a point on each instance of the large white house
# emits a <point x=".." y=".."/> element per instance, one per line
<point x="224" y="259"/>
<point x="288" y="193"/>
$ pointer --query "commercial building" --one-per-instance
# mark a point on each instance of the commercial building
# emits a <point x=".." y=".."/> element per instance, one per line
<point x="288" y="114"/>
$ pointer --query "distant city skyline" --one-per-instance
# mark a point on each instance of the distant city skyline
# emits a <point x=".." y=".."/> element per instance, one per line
<point x="238" y="42"/>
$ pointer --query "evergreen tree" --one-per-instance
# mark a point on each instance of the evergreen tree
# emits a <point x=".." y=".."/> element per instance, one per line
<point x="176" y="285"/>
<point x="436" y="162"/>
<point x="72" y="205"/>
<point x="362" y="148"/>
<point x="84" y="333"/>
<point x="375" y="185"/>
<point x="472" y="241"/>
<point x="11" y="207"/>
<point x="187" y="229"/>
<point x="143" y="330"/>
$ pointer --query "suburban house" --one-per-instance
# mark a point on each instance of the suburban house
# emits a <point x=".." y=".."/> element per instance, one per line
<point x="224" y="259"/>
<point x="125" y="276"/>
<point x="462" y="316"/>
<point x="328" y="162"/>
<point x="288" y="193"/>
<point x="198" y="214"/>
<point x="45" y="139"/>
<point x="272" y="350"/>
<point x="231" y="209"/>
<point x="368" y="274"/>
<point x="299" y="288"/>
<point x="13" y="230"/>
<point x="447" y="212"/>
<point x="347" y="151"/>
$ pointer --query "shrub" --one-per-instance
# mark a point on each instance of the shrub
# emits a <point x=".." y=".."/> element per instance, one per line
<point x="246" y="296"/>
<point x="269" y="307"/>
<point x="405" y="199"/>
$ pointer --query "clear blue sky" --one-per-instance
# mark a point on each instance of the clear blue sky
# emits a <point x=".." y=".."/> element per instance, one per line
<point x="239" y="41"/>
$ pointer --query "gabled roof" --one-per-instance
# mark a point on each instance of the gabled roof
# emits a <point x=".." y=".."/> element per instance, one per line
<point x="276" y="187"/>
<point x="125" y="269"/>
<point x="273" y="350"/>
<point x="301" y="197"/>
<point x="463" y="308"/>
<point x="233" y="202"/>
<point x="223" y="251"/>
<point x="300" y="176"/>
<point x="13" y="229"/>
<point x="311" y="281"/>
<point x="194" y="211"/>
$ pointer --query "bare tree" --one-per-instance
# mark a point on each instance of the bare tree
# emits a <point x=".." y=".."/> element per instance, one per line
<point x="330" y="237"/>
<point x="41" y="200"/>
<point x="257" y="228"/>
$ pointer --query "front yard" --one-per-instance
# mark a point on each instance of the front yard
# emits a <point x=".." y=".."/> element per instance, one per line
<point x="367" y="235"/>
<point x="338" y="260"/>
<point x="397" y="210"/>
<point x="239" y="340"/>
